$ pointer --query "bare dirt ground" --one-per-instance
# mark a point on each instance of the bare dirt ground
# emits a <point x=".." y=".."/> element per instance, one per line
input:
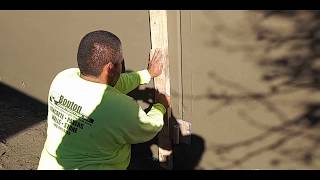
<point x="22" y="151"/>
<point x="22" y="129"/>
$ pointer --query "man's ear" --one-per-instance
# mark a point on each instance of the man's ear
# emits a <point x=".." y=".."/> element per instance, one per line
<point x="108" y="67"/>
<point x="107" y="70"/>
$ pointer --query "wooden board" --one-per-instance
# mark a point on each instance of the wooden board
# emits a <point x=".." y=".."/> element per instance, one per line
<point x="159" y="39"/>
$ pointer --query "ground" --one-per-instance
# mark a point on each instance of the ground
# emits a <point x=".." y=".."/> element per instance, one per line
<point x="22" y="151"/>
<point x="22" y="129"/>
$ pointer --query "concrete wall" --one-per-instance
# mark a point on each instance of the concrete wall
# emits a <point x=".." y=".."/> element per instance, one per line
<point x="250" y="88"/>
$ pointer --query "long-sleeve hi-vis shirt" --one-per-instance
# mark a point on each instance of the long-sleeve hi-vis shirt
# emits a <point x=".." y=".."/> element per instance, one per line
<point x="92" y="125"/>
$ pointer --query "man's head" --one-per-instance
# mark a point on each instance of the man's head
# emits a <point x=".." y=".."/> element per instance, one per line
<point x="100" y="56"/>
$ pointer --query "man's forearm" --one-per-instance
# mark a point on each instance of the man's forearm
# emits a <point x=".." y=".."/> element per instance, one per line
<point x="129" y="81"/>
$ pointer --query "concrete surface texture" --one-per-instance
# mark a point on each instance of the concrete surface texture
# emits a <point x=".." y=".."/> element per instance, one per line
<point x="250" y="87"/>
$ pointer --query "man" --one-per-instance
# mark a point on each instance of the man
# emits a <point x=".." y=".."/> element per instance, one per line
<point x="91" y="122"/>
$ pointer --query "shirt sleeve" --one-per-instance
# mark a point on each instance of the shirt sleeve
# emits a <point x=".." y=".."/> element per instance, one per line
<point x="129" y="81"/>
<point x="148" y="124"/>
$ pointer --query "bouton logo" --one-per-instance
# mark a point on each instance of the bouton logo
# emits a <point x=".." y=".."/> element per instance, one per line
<point x="65" y="102"/>
<point x="52" y="99"/>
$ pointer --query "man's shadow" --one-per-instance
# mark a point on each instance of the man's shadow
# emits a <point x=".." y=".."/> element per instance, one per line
<point x="185" y="156"/>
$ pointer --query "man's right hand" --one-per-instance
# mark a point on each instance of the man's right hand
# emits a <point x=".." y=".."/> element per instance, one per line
<point x="163" y="99"/>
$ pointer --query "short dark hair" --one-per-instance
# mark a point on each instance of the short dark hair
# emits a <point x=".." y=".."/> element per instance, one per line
<point x="96" y="49"/>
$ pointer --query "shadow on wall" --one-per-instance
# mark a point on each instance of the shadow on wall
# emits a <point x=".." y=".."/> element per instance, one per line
<point x="18" y="111"/>
<point x="299" y="68"/>
<point x="184" y="156"/>
<point x="295" y="70"/>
